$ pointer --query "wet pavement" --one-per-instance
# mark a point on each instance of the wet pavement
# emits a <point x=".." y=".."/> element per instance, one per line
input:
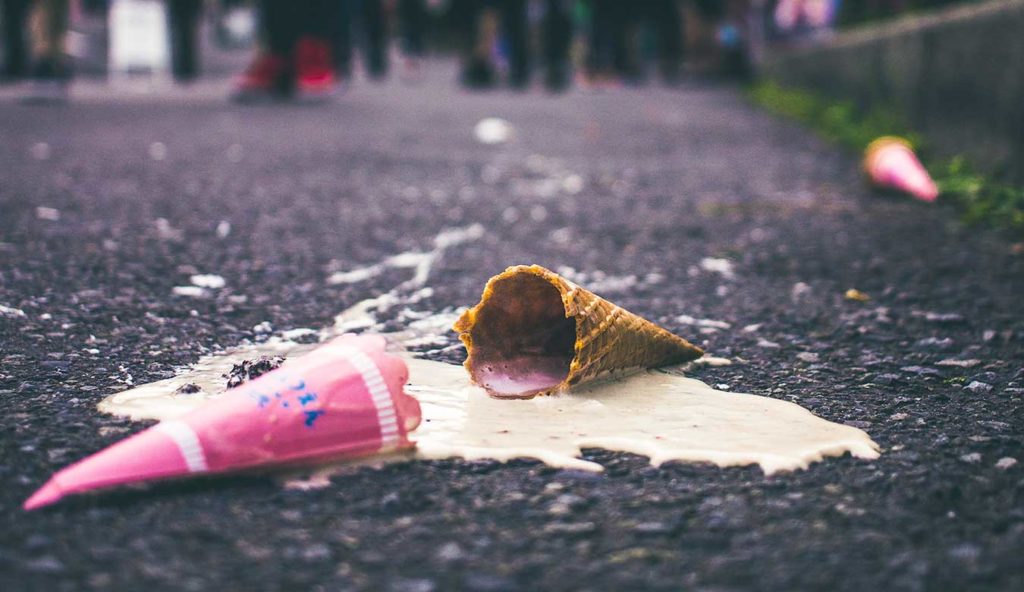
<point x="737" y="231"/>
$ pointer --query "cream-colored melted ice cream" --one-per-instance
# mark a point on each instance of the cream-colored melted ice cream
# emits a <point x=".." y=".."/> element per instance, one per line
<point x="657" y="414"/>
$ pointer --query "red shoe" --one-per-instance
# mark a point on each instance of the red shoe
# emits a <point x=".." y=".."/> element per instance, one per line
<point x="314" y="71"/>
<point x="266" y="77"/>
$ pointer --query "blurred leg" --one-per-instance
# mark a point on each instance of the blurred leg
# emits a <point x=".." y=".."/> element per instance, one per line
<point x="514" y="24"/>
<point x="184" y="21"/>
<point x="281" y="24"/>
<point x="668" y="26"/>
<point x="475" y="45"/>
<point x="271" y="72"/>
<point x="557" y="38"/>
<point x="598" y="54"/>
<point x="314" y="69"/>
<point x="412" y="24"/>
<point x="15" y="16"/>
<point x="49" y="26"/>
<point x="621" y="19"/>
<point x="339" y="19"/>
<point x="375" y="38"/>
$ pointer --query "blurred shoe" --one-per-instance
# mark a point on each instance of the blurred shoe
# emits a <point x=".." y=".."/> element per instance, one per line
<point x="48" y="83"/>
<point x="412" y="69"/>
<point x="267" y="77"/>
<point x="478" y="75"/>
<point x="376" y="63"/>
<point x="518" y="81"/>
<point x="12" y="73"/>
<point x="557" y="79"/>
<point x="314" y="70"/>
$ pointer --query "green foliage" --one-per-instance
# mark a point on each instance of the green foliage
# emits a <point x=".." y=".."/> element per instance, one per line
<point x="982" y="199"/>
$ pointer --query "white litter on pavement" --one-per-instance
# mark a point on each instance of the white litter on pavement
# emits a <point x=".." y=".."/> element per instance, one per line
<point x="11" y="312"/>
<point x="717" y="265"/>
<point x="50" y="214"/>
<point x="208" y="280"/>
<point x="492" y="130"/>
<point x="695" y="322"/>
<point x="190" y="291"/>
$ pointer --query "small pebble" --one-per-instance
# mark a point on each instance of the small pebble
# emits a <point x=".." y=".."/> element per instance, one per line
<point x="976" y="386"/>
<point x="40" y="151"/>
<point x="450" y="552"/>
<point x="570" y="528"/>
<point x="189" y="291"/>
<point x="158" y="151"/>
<point x="48" y="214"/>
<point x="208" y="280"/>
<point x="492" y="130"/>
<point x="1006" y="462"/>
<point x="958" y="363"/>
<point x="973" y="457"/>
<point x="188" y="389"/>
<point x="412" y="585"/>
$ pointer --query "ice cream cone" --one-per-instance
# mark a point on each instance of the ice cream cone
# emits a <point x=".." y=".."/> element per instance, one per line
<point x="535" y="333"/>
<point x="890" y="163"/>
<point x="342" y="400"/>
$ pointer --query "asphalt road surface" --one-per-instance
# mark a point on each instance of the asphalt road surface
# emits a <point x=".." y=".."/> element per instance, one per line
<point x="631" y="182"/>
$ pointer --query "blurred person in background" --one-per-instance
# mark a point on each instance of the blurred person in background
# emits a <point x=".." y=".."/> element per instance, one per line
<point x="413" y="21"/>
<point x="294" y="57"/>
<point x="362" y="24"/>
<point x="556" y="40"/>
<point x="50" y="72"/>
<point x="495" y="33"/>
<point x="184" y="26"/>
<point x="620" y="35"/>
<point x="661" y="20"/>
<point x="487" y="27"/>
<point x="14" y="14"/>
<point x="607" y="60"/>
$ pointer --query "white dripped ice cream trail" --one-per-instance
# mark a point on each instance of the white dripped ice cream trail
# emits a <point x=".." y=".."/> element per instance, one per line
<point x="659" y="414"/>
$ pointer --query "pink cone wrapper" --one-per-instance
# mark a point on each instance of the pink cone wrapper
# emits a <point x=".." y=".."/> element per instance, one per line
<point x="342" y="400"/>
<point x="891" y="163"/>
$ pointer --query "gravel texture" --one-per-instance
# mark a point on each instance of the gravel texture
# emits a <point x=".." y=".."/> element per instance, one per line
<point x="633" y="189"/>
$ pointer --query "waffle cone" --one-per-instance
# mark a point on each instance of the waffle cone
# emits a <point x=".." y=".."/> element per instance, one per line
<point x="535" y="333"/>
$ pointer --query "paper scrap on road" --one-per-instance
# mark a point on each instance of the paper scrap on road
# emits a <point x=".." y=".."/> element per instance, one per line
<point x="492" y="130"/>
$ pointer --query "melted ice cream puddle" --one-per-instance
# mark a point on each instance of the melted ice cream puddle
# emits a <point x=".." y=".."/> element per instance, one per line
<point x="657" y="414"/>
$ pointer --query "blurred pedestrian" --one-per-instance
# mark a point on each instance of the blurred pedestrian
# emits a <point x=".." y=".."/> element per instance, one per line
<point x="665" y="20"/>
<point x="413" y="20"/>
<point x="487" y="27"/>
<point x="184" y="25"/>
<point x="556" y="40"/>
<point x="295" y="54"/>
<point x="359" y="24"/>
<point x="14" y="14"/>
<point x="607" y="60"/>
<point x="50" y="72"/>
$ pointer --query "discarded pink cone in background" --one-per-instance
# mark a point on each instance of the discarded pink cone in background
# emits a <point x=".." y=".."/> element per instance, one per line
<point x="343" y="400"/>
<point x="890" y="162"/>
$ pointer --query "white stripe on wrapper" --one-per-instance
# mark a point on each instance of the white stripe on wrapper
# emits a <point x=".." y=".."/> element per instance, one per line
<point x="374" y="381"/>
<point x="188" y="443"/>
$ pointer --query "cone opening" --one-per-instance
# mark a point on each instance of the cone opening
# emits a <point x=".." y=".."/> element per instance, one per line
<point x="522" y="342"/>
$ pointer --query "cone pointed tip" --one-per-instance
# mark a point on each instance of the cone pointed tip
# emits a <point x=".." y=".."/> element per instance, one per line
<point x="46" y="495"/>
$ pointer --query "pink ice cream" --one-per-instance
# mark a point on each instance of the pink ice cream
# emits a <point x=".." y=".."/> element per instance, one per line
<point x="342" y="400"/>
<point x="891" y="163"/>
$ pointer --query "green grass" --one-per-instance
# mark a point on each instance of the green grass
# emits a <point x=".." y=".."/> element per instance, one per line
<point x="981" y="199"/>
